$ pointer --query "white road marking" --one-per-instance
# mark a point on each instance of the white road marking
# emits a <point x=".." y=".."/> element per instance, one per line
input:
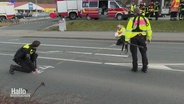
<point x="42" y="68"/>
<point x="158" y="66"/>
<point x="5" y="54"/>
<point x="58" y="59"/>
<point x="114" y="55"/>
<point x="11" y="43"/>
<point x="50" y="51"/>
<point x="66" y="46"/>
<point x="71" y="60"/>
<point x="84" y="53"/>
<point x="13" y="39"/>
<point x="74" y="52"/>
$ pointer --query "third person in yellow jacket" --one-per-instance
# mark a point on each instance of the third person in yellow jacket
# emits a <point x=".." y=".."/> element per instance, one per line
<point x="120" y="35"/>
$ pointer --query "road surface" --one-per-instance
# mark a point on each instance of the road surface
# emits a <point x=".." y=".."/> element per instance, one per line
<point x="93" y="72"/>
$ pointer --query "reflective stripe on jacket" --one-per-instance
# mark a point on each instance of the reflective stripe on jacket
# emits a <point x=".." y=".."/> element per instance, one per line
<point x="144" y="26"/>
<point x="27" y="46"/>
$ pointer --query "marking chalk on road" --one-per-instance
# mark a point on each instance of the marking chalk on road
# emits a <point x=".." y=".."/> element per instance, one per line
<point x="42" y="68"/>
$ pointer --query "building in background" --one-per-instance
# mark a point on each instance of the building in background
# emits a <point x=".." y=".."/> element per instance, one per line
<point x="27" y="7"/>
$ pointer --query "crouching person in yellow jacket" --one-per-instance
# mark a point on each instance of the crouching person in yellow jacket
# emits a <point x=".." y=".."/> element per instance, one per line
<point x="120" y="35"/>
<point x="138" y="31"/>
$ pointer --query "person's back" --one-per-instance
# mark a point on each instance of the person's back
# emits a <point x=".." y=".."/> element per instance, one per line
<point x="138" y="24"/>
<point x="138" y="31"/>
<point x="22" y="52"/>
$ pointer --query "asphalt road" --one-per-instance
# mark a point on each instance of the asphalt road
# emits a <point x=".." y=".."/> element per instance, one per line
<point x="94" y="72"/>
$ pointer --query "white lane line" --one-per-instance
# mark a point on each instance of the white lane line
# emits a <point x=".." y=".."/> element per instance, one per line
<point x="114" y="55"/>
<point x="11" y="43"/>
<point x="5" y="54"/>
<point x="66" y="46"/>
<point x="84" y="53"/>
<point x="158" y="66"/>
<point x="59" y="59"/>
<point x="74" y="52"/>
<point x="50" y="51"/>
<point x="80" y="47"/>
<point x="71" y="60"/>
<point x="13" y="40"/>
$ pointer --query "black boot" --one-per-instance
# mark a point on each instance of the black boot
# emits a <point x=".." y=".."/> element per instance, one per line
<point x="145" y="69"/>
<point x="135" y="67"/>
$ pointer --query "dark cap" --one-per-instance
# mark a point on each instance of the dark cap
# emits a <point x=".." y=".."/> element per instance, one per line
<point x="35" y="43"/>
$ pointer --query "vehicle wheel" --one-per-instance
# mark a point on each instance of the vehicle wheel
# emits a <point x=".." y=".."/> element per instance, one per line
<point x="2" y="19"/>
<point x="73" y="16"/>
<point x="88" y="17"/>
<point x="119" y="17"/>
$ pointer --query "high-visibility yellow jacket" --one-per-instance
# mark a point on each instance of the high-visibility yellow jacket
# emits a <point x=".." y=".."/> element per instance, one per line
<point x="132" y="7"/>
<point x="121" y="32"/>
<point x="144" y="28"/>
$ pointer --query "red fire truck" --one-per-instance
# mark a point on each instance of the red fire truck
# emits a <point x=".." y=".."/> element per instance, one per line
<point x="95" y="9"/>
<point x="91" y="9"/>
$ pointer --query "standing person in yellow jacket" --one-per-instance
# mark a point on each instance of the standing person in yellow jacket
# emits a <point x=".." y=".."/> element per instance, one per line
<point x="138" y="31"/>
<point x="132" y="7"/>
<point x="120" y="35"/>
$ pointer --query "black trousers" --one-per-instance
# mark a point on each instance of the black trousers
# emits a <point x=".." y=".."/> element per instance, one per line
<point x="141" y="41"/>
<point x="173" y="16"/>
<point x="121" y="41"/>
<point x="156" y="15"/>
<point x="26" y="66"/>
<point x="181" y="15"/>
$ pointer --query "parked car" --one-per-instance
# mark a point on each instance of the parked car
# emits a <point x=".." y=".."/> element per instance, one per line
<point x="22" y="15"/>
<point x="19" y="15"/>
<point x="41" y="14"/>
<point x="27" y="14"/>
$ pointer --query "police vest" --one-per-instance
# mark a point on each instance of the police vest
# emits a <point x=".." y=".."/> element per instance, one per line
<point x="27" y="46"/>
